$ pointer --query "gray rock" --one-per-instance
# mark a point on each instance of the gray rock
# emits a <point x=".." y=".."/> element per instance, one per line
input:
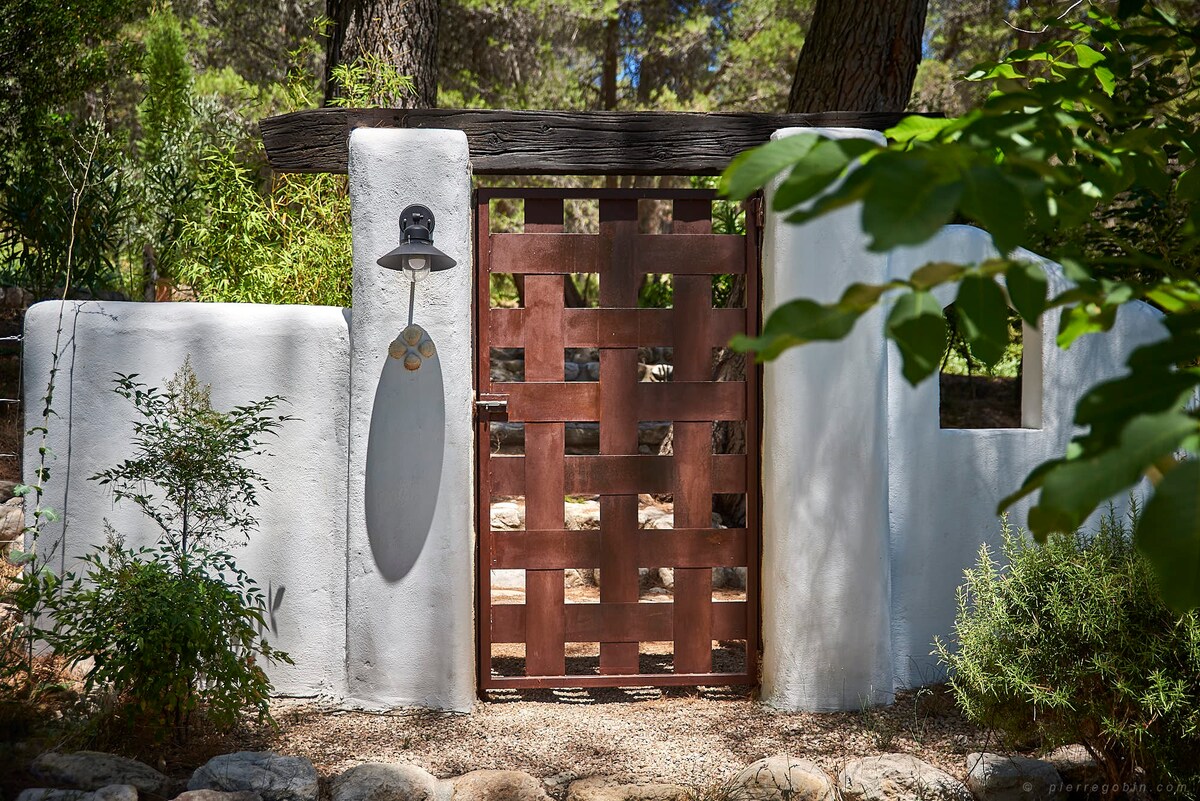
<point x="109" y="792"/>
<point x="898" y="777"/>
<point x="570" y="371"/>
<point x="1076" y="766"/>
<point x="274" y="777"/>
<point x="582" y="516"/>
<point x="781" y="778"/>
<point x="508" y="516"/>
<point x="497" y="785"/>
<point x="729" y="578"/>
<point x="589" y="371"/>
<point x="217" y="795"/>
<point x="91" y="770"/>
<point x="992" y="777"/>
<point x="604" y="788"/>
<point x="377" y="781"/>
<point x="12" y="519"/>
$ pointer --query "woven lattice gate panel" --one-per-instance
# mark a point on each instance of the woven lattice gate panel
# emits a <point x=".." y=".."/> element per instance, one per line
<point x="620" y="634"/>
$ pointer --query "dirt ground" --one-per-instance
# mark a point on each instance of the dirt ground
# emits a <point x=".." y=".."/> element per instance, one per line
<point x="697" y="737"/>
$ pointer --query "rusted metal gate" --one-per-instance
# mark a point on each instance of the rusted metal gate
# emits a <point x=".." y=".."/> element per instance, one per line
<point x="546" y="624"/>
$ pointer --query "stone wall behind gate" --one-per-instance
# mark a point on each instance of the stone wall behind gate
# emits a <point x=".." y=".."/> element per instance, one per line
<point x="366" y="543"/>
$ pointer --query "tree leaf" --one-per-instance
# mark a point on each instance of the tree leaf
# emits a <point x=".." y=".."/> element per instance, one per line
<point x="935" y="273"/>
<point x="917" y="128"/>
<point x="1074" y="488"/>
<point x="817" y="169"/>
<point x="918" y="327"/>
<point x="751" y="169"/>
<point x="908" y="200"/>
<point x="1027" y="284"/>
<point x="983" y="313"/>
<point x="795" y="323"/>
<point x="1168" y="535"/>
<point x="996" y="204"/>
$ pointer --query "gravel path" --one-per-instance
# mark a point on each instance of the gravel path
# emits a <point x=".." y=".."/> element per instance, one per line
<point x="690" y="737"/>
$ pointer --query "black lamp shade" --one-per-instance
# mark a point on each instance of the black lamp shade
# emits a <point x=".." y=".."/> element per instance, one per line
<point x="416" y="239"/>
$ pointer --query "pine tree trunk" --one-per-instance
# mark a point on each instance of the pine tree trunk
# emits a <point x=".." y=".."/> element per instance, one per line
<point x="859" y="55"/>
<point x="403" y="33"/>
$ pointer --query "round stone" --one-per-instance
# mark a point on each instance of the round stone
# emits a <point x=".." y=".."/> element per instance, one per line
<point x="426" y="348"/>
<point x="412" y="361"/>
<point x="397" y="349"/>
<point x="412" y="334"/>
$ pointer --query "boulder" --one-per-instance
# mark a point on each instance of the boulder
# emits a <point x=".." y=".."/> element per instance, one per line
<point x="217" y="795"/>
<point x="508" y="516"/>
<point x="109" y="792"/>
<point x="497" y="785"/>
<point x="570" y="371"/>
<point x="898" y="777"/>
<point x="583" y="516"/>
<point x="781" y="778"/>
<point x="12" y="519"/>
<point x="91" y="770"/>
<point x="377" y="781"/>
<point x="274" y="777"/>
<point x="992" y="777"/>
<point x="1076" y="766"/>
<point x="604" y="788"/>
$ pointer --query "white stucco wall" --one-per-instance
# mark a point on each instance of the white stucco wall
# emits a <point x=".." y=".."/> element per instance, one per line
<point x="410" y="621"/>
<point x="244" y="352"/>
<point x="945" y="483"/>
<point x="871" y="511"/>
<point x="826" y="632"/>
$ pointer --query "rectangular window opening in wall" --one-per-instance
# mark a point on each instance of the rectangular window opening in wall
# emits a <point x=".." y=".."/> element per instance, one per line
<point x="1005" y="394"/>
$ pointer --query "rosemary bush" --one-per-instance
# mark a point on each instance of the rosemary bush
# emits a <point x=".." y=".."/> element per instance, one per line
<point x="1070" y="643"/>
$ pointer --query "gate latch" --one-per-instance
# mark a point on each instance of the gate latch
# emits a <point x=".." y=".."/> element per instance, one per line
<point x="492" y="405"/>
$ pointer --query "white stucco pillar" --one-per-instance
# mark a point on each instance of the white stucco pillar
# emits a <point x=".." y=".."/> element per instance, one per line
<point x="825" y="575"/>
<point x="410" y="609"/>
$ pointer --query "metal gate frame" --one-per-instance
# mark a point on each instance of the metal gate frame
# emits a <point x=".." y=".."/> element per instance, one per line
<point x="545" y="475"/>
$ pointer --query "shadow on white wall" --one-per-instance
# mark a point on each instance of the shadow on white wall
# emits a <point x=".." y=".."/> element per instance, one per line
<point x="405" y="449"/>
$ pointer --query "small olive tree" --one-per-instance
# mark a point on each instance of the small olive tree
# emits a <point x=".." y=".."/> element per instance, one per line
<point x="175" y="628"/>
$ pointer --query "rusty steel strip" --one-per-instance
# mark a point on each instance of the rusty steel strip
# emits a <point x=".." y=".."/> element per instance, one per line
<point x="618" y="475"/>
<point x="614" y="328"/>
<point x="693" y="360"/>
<point x="562" y="254"/>
<point x="682" y="401"/>
<point x="483" y="435"/>
<point x="620" y="622"/>
<point x="545" y="448"/>
<point x="681" y="547"/>
<point x="618" y="435"/>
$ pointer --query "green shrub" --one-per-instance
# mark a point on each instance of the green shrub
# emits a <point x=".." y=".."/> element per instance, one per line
<point x="167" y="638"/>
<point x="1070" y="642"/>
<point x="175" y="629"/>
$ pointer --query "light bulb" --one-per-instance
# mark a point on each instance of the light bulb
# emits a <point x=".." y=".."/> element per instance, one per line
<point x="417" y="267"/>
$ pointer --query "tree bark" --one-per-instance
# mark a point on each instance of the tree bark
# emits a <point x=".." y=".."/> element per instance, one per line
<point x="403" y="33"/>
<point x="859" y="55"/>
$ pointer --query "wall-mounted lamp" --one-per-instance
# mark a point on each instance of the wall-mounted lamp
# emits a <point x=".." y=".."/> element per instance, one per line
<point x="416" y="256"/>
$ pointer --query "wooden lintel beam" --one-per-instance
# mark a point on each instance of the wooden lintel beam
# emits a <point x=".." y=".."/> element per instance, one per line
<point x="552" y="142"/>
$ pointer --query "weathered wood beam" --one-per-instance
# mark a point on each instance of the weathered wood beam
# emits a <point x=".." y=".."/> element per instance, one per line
<point x="552" y="142"/>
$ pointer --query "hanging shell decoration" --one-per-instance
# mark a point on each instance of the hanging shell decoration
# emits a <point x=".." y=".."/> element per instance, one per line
<point x="412" y="347"/>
